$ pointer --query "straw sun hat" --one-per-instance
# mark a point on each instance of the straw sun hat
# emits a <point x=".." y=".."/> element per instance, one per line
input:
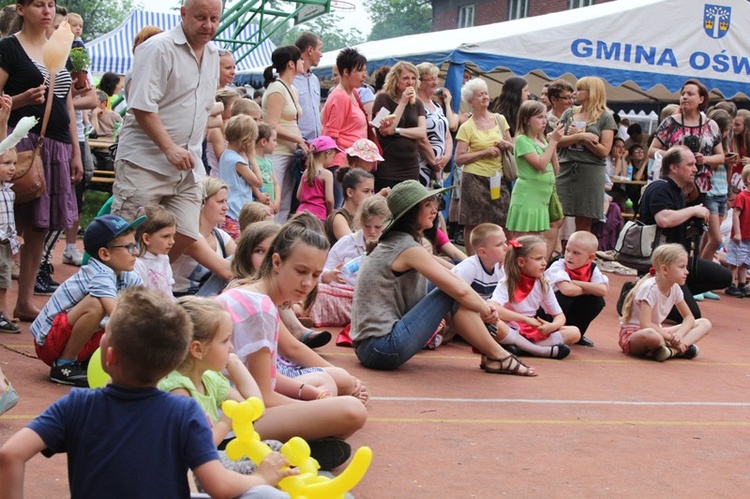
<point x="405" y="196"/>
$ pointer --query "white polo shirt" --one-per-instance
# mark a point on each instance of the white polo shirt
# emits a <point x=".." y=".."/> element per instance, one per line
<point x="169" y="80"/>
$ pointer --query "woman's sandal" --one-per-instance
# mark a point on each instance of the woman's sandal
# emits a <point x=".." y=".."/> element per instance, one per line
<point x="507" y="365"/>
<point x="316" y="339"/>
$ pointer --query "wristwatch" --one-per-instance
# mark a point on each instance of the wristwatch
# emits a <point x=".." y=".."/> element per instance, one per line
<point x="398" y="131"/>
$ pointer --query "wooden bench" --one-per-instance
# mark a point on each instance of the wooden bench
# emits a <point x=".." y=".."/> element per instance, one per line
<point x="102" y="180"/>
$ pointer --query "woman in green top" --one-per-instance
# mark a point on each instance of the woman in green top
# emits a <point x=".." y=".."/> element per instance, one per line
<point x="589" y="130"/>
<point x="537" y="163"/>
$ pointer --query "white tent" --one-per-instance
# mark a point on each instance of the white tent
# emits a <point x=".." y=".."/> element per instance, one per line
<point x="644" y="49"/>
<point x="114" y="51"/>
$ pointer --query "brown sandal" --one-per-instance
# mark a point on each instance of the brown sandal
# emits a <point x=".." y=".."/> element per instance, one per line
<point x="506" y="365"/>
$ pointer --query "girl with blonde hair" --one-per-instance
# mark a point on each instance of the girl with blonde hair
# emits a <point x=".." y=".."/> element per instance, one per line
<point x="647" y="305"/>
<point x="238" y="168"/>
<point x="216" y="142"/>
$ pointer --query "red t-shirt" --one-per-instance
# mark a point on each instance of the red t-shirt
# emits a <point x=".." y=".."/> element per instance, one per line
<point x="743" y="203"/>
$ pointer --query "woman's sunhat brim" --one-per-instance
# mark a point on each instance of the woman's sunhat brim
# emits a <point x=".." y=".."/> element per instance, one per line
<point x="412" y="203"/>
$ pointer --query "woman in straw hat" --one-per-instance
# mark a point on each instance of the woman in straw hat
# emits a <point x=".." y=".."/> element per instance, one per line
<point x="394" y="316"/>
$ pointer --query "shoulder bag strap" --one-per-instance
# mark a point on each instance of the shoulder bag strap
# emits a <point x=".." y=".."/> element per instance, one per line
<point x="291" y="96"/>
<point x="47" y="111"/>
<point x="220" y="241"/>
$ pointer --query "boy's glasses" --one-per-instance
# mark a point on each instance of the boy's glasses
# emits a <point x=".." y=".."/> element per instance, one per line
<point x="132" y="248"/>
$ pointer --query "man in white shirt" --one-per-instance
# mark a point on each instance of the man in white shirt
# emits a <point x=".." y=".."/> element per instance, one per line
<point x="175" y="75"/>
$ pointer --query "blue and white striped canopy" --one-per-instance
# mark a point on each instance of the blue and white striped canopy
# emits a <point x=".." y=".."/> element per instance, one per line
<point x="114" y="50"/>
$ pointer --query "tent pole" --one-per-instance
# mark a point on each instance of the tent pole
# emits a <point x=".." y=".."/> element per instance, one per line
<point x="454" y="79"/>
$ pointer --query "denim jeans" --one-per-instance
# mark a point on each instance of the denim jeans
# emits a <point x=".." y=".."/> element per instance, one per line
<point x="408" y="335"/>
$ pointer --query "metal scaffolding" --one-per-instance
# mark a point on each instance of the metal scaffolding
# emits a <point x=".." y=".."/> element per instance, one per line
<point x="269" y="15"/>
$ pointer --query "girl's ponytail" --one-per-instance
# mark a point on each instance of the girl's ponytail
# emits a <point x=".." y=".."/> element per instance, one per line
<point x="310" y="169"/>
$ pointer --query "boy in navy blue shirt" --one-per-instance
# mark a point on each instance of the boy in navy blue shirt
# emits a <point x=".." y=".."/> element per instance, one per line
<point x="130" y="439"/>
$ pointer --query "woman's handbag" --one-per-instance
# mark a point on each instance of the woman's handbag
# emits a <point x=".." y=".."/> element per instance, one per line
<point x="510" y="172"/>
<point x="29" y="182"/>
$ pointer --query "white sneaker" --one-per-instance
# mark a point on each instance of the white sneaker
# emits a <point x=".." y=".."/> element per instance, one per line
<point x="73" y="256"/>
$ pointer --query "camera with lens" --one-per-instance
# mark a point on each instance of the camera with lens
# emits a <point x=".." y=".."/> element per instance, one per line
<point x="692" y="142"/>
<point x="696" y="226"/>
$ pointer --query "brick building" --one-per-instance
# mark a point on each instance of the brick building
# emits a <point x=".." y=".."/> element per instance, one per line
<point x="451" y="14"/>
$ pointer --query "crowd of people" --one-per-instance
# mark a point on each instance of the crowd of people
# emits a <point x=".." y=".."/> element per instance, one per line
<point x="241" y="225"/>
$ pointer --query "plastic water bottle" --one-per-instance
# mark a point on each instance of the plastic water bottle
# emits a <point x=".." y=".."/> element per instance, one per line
<point x="352" y="266"/>
<point x="629" y="172"/>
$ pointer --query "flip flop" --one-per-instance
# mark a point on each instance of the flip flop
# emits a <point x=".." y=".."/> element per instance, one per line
<point x="316" y="339"/>
<point x="8" y="399"/>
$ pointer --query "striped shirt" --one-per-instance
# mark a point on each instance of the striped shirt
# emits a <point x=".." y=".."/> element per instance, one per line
<point x="255" y="321"/>
<point x="472" y="272"/>
<point x="94" y="279"/>
<point x="7" y="220"/>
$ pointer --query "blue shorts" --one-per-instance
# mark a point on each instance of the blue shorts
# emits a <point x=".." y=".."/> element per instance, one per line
<point x="738" y="254"/>
<point x="717" y="205"/>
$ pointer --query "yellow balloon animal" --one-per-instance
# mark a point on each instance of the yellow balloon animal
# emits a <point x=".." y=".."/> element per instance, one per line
<point x="308" y="484"/>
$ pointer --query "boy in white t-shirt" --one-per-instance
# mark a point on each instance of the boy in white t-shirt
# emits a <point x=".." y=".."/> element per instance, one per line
<point x="578" y="284"/>
<point x="483" y="270"/>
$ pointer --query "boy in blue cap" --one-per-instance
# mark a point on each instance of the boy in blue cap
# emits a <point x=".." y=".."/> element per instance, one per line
<point x="69" y="327"/>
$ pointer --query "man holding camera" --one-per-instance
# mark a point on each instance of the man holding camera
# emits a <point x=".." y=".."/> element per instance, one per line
<point x="663" y="204"/>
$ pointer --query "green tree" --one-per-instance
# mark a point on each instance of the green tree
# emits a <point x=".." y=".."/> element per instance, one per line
<point x="327" y="28"/>
<point x="99" y="16"/>
<point x="391" y="18"/>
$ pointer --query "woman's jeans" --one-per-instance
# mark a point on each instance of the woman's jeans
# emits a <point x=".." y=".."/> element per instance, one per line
<point x="408" y="336"/>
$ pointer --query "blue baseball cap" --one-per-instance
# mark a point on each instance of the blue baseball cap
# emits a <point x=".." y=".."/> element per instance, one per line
<point x="105" y="229"/>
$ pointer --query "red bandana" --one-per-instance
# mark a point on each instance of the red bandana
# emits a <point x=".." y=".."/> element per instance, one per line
<point x="523" y="288"/>
<point x="580" y="274"/>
